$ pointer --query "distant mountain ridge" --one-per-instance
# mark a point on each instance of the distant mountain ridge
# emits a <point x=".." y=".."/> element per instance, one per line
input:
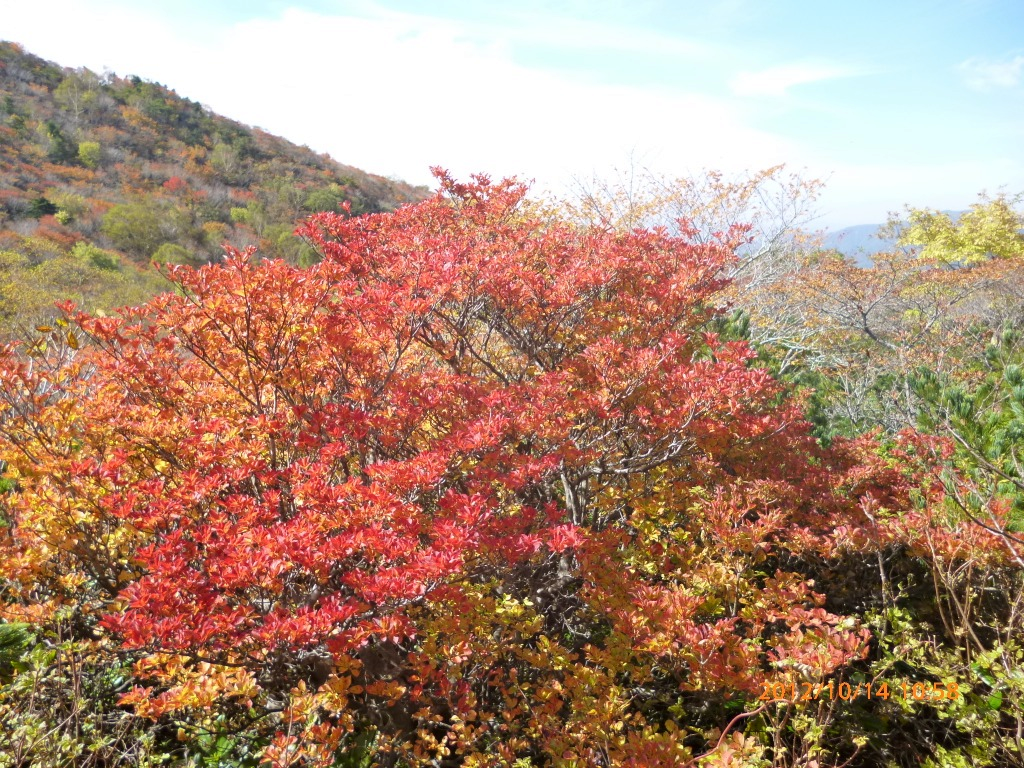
<point x="859" y="242"/>
<point x="862" y="241"/>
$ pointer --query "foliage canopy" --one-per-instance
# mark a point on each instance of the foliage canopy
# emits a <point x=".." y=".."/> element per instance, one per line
<point x="477" y="484"/>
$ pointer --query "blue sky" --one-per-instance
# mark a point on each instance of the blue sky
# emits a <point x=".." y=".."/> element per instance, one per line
<point x="893" y="102"/>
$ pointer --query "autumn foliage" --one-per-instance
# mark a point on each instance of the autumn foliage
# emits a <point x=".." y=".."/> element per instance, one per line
<point x="101" y="175"/>
<point x="476" y="488"/>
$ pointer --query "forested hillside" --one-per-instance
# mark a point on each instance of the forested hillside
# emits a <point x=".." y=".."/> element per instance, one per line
<point x="101" y="175"/>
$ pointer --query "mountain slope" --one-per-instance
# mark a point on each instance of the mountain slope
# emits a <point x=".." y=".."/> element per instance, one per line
<point x="99" y="175"/>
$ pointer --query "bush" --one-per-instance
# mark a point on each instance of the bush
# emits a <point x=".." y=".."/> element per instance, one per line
<point x="90" y="154"/>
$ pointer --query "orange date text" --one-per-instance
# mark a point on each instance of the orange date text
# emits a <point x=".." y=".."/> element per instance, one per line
<point x="845" y="691"/>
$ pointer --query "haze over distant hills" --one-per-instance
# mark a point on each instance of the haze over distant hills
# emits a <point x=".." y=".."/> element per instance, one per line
<point x="859" y="242"/>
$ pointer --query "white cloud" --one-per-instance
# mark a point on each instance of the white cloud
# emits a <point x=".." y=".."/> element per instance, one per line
<point x="415" y="91"/>
<point x="986" y="74"/>
<point x="564" y="32"/>
<point x="394" y="93"/>
<point x="776" y="81"/>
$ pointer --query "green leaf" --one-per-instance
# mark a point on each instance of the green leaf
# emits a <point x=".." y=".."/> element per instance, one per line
<point x="995" y="701"/>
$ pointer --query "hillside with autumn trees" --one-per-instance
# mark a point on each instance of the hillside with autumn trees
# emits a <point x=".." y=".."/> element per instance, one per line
<point x="101" y="175"/>
<point x="640" y="477"/>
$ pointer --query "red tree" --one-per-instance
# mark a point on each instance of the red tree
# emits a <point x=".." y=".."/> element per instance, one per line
<point x="476" y="482"/>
